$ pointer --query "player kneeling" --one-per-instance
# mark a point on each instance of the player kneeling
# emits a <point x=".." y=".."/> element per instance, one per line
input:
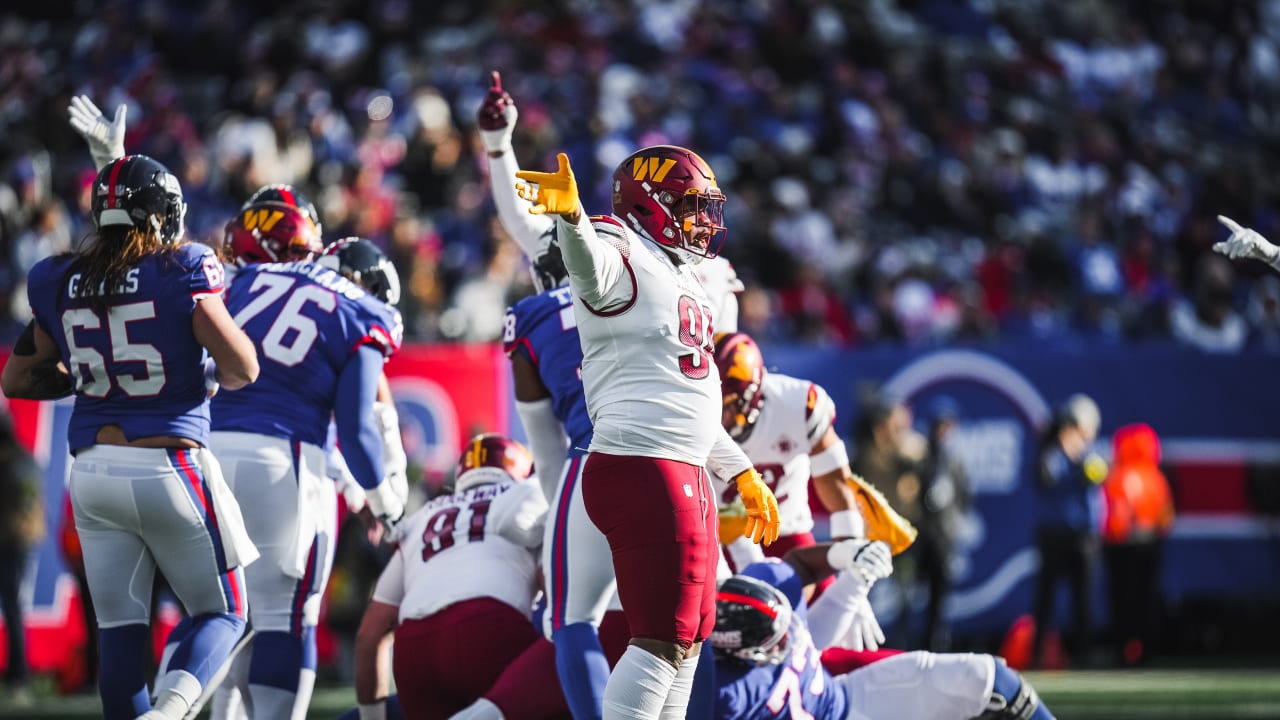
<point x="457" y="595"/>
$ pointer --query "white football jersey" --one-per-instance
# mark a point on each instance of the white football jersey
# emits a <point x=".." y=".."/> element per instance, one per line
<point x="651" y="383"/>
<point x="478" y="543"/>
<point x="794" y="416"/>
<point x="722" y="285"/>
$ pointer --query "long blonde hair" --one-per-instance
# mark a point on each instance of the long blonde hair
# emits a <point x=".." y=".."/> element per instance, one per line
<point x="116" y="250"/>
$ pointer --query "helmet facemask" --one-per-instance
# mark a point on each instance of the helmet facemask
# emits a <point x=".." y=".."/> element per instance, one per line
<point x="669" y="195"/>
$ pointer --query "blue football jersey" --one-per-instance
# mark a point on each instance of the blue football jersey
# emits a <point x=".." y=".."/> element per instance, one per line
<point x="138" y="364"/>
<point x="306" y="322"/>
<point x="542" y="327"/>
<point x="798" y="688"/>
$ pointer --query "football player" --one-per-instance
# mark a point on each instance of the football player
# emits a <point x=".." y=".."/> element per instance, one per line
<point x="540" y="334"/>
<point x="768" y="645"/>
<point x="457" y="595"/>
<point x="322" y="340"/>
<point x="652" y="393"/>
<point x="364" y="263"/>
<point x="496" y="119"/>
<point x="787" y="427"/>
<point x="128" y="324"/>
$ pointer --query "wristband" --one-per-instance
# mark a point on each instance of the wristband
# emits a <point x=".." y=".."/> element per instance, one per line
<point x="833" y="458"/>
<point x="847" y="524"/>
<point x="373" y="711"/>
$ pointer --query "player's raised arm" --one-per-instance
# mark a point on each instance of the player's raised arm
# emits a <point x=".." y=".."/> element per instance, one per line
<point x="845" y="617"/>
<point x="496" y="119"/>
<point x="1247" y="243"/>
<point x="105" y="139"/>
<point x="597" y="269"/>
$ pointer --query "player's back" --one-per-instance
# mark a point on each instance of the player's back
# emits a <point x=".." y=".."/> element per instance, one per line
<point x="306" y="321"/>
<point x="471" y="544"/>
<point x="544" y="329"/>
<point x="136" y="362"/>
<point x="652" y="387"/>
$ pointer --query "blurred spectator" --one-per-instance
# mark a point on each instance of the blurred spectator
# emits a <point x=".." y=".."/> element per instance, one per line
<point x="887" y="454"/>
<point x="1139" y="515"/>
<point x="1068" y="520"/>
<point x="1207" y="321"/>
<point x="945" y="500"/>
<point x="1264" y="314"/>
<point x="22" y="528"/>
<point x="1069" y="157"/>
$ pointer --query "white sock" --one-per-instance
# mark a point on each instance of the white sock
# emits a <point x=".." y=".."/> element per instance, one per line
<point x="481" y="709"/>
<point x="638" y="686"/>
<point x="175" y="691"/>
<point x="306" y="685"/>
<point x="677" y="704"/>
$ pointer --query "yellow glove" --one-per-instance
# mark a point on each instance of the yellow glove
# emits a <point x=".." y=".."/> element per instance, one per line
<point x="762" y="507"/>
<point x="733" y="521"/>
<point x="882" y="521"/>
<point x="554" y="193"/>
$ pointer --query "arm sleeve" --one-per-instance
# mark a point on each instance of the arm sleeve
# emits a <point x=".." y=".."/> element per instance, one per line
<point x="832" y="614"/>
<point x="599" y="272"/>
<point x="390" y="587"/>
<point x="358" y="433"/>
<point x="727" y="459"/>
<point x="513" y="211"/>
<point x="547" y="439"/>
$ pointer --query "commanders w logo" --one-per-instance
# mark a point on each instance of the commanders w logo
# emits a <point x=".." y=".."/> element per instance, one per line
<point x="264" y="218"/>
<point x="655" y="168"/>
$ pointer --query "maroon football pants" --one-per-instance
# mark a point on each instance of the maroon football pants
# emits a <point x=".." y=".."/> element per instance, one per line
<point x="662" y="527"/>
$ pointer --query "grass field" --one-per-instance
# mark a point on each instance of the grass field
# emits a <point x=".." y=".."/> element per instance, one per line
<point x="1077" y="695"/>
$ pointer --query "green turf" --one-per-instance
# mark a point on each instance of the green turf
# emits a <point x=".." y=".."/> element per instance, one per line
<point x="1077" y="695"/>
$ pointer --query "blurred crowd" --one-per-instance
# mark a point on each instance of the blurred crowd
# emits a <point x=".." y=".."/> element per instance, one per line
<point x="911" y="171"/>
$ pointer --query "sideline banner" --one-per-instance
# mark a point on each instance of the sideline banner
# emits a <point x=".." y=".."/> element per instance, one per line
<point x="1218" y="418"/>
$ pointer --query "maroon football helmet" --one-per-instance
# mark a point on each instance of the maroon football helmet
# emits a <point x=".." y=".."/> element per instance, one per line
<point x="669" y="195"/>
<point x="490" y="457"/>
<point x="271" y="232"/>
<point x="288" y="195"/>
<point x="742" y="374"/>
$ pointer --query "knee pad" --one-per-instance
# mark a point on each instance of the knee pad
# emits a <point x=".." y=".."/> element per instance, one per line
<point x="1012" y="697"/>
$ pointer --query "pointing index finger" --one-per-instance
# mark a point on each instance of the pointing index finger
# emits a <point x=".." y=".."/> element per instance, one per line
<point x="496" y="81"/>
<point x="1231" y="225"/>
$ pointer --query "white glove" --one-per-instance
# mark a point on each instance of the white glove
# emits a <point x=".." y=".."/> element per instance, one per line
<point x="864" y="630"/>
<point x="105" y="139"/>
<point x="842" y="617"/>
<point x="870" y="560"/>
<point x="210" y="377"/>
<point x="1246" y="243"/>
